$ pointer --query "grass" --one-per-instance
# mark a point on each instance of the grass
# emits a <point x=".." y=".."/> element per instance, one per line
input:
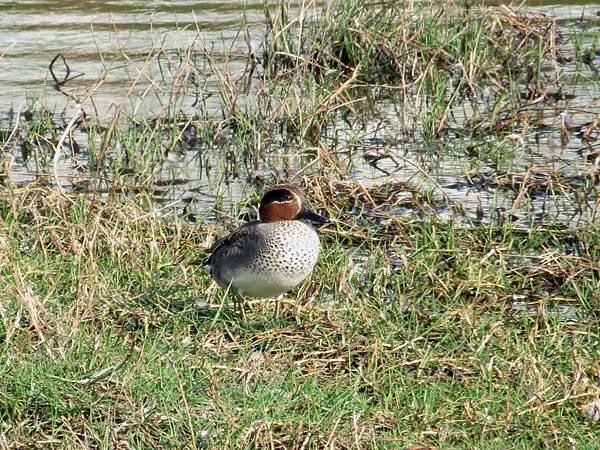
<point x="415" y="331"/>
<point x="111" y="337"/>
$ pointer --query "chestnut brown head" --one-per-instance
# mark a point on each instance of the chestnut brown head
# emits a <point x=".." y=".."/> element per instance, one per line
<point x="285" y="202"/>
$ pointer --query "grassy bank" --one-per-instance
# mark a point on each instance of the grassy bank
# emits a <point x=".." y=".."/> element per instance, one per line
<point x="439" y="336"/>
<point x="476" y="328"/>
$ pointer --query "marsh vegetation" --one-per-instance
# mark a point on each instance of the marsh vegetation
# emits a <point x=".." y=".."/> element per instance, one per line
<point x="456" y="302"/>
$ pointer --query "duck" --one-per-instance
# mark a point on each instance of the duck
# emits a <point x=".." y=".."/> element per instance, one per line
<point x="268" y="257"/>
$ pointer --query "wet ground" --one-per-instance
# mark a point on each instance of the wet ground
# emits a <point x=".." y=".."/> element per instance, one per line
<point x="542" y="179"/>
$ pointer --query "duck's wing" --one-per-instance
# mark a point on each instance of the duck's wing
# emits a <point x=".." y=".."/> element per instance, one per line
<point x="229" y="242"/>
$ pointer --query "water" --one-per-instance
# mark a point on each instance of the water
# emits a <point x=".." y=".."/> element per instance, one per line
<point x="123" y="33"/>
<point x="138" y="47"/>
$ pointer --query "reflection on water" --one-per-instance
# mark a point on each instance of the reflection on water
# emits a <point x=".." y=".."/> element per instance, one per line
<point x="107" y="36"/>
<point x="137" y="48"/>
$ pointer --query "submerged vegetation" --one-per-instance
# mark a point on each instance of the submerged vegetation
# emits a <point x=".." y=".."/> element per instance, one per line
<point x="453" y="311"/>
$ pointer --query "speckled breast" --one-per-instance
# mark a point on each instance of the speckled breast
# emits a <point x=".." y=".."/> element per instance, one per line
<point x="274" y="259"/>
<point x="290" y="248"/>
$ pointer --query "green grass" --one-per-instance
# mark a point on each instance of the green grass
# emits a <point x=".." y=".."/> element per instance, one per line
<point x="385" y="346"/>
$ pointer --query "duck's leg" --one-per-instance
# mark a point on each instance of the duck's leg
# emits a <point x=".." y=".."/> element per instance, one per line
<point x="240" y="305"/>
<point x="278" y="305"/>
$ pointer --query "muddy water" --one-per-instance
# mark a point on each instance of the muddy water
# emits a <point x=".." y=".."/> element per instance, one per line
<point x="108" y="38"/>
<point x="111" y="41"/>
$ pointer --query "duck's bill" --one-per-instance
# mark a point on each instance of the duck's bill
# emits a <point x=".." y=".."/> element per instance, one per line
<point x="307" y="214"/>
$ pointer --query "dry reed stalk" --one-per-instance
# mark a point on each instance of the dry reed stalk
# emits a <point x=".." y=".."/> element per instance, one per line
<point x="30" y="302"/>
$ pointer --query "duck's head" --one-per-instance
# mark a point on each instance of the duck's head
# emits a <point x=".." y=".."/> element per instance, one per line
<point x="285" y="202"/>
